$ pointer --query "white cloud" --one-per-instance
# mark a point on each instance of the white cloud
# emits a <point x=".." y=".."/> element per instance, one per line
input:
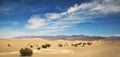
<point x="84" y="12"/>
<point x="35" y="22"/>
<point x="103" y="6"/>
<point x="73" y="9"/>
<point x="107" y="6"/>
<point x="52" y="15"/>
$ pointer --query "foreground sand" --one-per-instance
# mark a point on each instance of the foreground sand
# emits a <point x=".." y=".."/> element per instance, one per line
<point x="97" y="49"/>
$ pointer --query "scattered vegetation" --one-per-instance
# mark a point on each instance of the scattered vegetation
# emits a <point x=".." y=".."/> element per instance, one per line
<point x="46" y="46"/>
<point x="60" y="45"/>
<point x="80" y="43"/>
<point x="89" y="43"/>
<point x="9" y="45"/>
<point x="38" y="48"/>
<point x="43" y="46"/>
<point x="75" y="45"/>
<point x="72" y="44"/>
<point x="84" y="44"/>
<point x="26" y="52"/>
<point x="31" y="46"/>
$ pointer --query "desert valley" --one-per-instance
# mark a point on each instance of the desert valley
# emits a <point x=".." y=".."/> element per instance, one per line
<point x="59" y="28"/>
<point x="60" y="48"/>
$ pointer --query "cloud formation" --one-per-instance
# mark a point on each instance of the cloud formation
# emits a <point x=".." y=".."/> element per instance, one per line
<point x="85" y="12"/>
<point x="107" y="6"/>
<point x="35" y="22"/>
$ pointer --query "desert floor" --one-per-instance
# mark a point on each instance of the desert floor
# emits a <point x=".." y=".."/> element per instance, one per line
<point x="11" y="47"/>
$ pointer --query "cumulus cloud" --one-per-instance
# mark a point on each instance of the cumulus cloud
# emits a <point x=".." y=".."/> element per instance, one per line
<point x="35" y="22"/>
<point x="75" y="14"/>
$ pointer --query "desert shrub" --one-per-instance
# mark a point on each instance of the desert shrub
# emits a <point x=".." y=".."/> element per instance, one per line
<point x="75" y="45"/>
<point x="31" y="46"/>
<point x="60" y="45"/>
<point x="38" y="48"/>
<point x="84" y="44"/>
<point x="9" y="45"/>
<point x="89" y="43"/>
<point x="48" y="45"/>
<point x="26" y="52"/>
<point x="79" y="43"/>
<point x="72" y="44"/>
<point x="44" y="46"/>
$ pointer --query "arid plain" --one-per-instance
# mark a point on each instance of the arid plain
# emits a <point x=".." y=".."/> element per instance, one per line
<point x="99" y="48"/>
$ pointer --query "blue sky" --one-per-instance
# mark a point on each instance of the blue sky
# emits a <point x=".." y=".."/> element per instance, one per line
<point x="59" y="17"/>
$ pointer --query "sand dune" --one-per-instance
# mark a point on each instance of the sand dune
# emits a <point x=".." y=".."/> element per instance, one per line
<point x="97" y="49"/>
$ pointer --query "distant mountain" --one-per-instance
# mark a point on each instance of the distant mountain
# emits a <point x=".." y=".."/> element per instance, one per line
<point x="73" y="37"/>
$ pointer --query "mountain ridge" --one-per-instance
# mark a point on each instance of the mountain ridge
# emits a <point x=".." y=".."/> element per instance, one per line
<point x="73" y="37"/>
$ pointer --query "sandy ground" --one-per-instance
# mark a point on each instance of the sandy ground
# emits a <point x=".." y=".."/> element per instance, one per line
<point x="97" y="49"/>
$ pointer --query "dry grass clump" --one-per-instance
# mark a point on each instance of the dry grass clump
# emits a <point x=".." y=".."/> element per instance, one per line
<point x="46" y="45"/>
<point x="60" y="45"/>
<point x="26" y="52"/>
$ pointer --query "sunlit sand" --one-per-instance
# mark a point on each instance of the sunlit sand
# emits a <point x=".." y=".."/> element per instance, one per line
<point x="96" y="49"/>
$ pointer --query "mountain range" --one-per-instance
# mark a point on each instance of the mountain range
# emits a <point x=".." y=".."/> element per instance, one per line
<point x="73" y="37"/>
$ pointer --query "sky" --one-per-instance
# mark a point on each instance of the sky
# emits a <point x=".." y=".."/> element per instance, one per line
<point x="59" y="17"/>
